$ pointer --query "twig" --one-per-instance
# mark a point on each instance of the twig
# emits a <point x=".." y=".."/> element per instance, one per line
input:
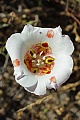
<point x="76" y="14"/>
<point x="72" y="16"/>
<point x="6" y="62"/>
<point x="67" y="5"/>
<point x="35" y="103"/>
<point x="64" y="88"/>
<point x="70" y="86"/>
<point x="68" y="13"/>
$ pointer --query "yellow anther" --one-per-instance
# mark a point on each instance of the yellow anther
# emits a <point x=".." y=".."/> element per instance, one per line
<point x="35" y="70"/>
<point x="49" y="60"/>
<point x="32" y="53"/>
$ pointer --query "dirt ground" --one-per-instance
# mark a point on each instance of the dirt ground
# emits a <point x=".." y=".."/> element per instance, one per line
<point x="62" y="104"/>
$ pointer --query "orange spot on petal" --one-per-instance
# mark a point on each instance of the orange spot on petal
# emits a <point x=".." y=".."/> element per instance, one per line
<point x="50" y="34"/>
<point x="16" y="63"/>
<point x="53" y="79"/>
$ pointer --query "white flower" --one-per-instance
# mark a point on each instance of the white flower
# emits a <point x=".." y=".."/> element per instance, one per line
<point x="41" y="58"/>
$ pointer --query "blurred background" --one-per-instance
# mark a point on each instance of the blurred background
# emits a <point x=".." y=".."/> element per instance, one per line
<point x="62" y="104"/>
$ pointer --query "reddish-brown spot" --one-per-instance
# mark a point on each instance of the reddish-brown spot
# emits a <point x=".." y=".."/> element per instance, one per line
<point x="40" y="32"/>
<point x="45" y="44"/>
<point x="16" y="63"/>
<point x="48" y="72"/>
<point x="50" y="34"/>
<point x="53" y="79"/>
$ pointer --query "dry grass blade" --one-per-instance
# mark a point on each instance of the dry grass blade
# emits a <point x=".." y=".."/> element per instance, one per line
<point x="35" y="103"/>
<point x="67" y="87"/>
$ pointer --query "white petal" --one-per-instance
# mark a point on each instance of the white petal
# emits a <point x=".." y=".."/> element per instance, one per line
<point x="62" y="68"/>
<point x="59" y="43"/>
<point x="31" y="88"/>
<point x="41" y="86"/>
<point x="27" y="29"/>
<point x="48" y="83"/>
<point x="52" y="85"/>
<point x="16" y="47"/>
<point x="33" y="35"/>
<point x="56" y="38"/>
<point x="26" y="32"/>
<point x="65" y="46"/>
<point x="26" y="80"/>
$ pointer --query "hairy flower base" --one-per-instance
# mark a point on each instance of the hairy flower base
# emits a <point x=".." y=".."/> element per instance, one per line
<point x="38" y="59"/>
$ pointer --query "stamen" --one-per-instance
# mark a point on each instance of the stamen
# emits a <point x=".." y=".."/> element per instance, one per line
<point x="35" y="70"/>
<point x="44" y="57"/>
<point x="42" y="62"/>
<point x="49" y="60"/>
<point x="36" y="60"/>
<point x="33" y="60"/>
<point x="38" y="64"/>
<point x="41" y="53"/>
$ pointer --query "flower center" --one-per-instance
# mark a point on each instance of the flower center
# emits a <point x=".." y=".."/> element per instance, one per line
<point x="38" y="59"/>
